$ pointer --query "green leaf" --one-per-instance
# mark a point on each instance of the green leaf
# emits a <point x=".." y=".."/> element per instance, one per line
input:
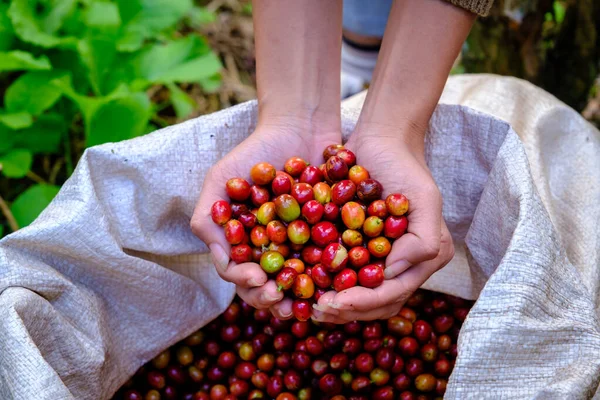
<point x="20" y="60"/>
<point x="192" y="71"/>
<point x="211" y="84"/>
<point x="184" y="60"/>
<point x="144" y="19"/>
<point x="103" y="15"/>
<point x="37" y="22"/>
<point x="1" y="231"/>
<point x="200" y="16"/>
<point x="119" y="119"/>
<point x="17" y="120"/>
<point x="7" y="136"/>
<point x="7" y="34"/>
<point x="16" y="163"/>
<point x="559" y="11"/>
<point x="247" y="8"/>
<point x="183" y="104"/>
<point x="29" y="205"/>
<point x="98" y="55"/>
<point x="44" y="136"/>
<point x="34" y="92"/>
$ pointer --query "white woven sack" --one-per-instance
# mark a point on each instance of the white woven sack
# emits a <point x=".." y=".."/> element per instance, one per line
<point x="110" y="274"/>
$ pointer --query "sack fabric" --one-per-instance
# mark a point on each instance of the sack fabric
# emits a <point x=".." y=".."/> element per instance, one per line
<point x="110" y="273"/>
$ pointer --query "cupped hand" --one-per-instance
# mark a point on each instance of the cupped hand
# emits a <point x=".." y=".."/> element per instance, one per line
<point x="273" y="143"/>
<point x="425" y="247"/>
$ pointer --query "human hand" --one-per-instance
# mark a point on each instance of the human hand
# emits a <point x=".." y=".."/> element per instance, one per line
<point x="275" y="143"/>
<point x="426" y="246"/>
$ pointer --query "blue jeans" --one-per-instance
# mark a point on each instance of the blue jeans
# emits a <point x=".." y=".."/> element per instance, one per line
<point x="366" y="17"/>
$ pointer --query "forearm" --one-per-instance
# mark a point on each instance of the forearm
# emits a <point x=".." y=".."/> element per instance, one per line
<point x="298" y="45"/>
<point x="421" y="42"/>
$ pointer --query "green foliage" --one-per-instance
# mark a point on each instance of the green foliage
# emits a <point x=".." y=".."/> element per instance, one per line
<point x="32" y="202"/>
<point x="81" y="70"/>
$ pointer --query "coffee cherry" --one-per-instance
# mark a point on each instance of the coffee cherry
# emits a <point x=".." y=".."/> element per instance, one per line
<point x="156" y="380"/>
<point x="345" y="279"/>
<point x="425" y="382"/>
<point x="370" y="276"/>
<point x="221" y="212"/>
<point x="443" y="323"/>
<point x="295" y="166"/>
<point x="396" y="204"/>
<point x="444" y="342"/>
<point x="334" y="258"/>
<point x="301" y="309"/>
<point x="312" y="254"/>
<point x="311" y="175"/>
<point x="312" y="211"/>
<point x="266" y="213"/>
<point x="302" y="192"/>
<point x="373" y="226"/>
<point x="364" y="363"/>
<point x="271" y="262"/>
<point x="285" y="278"/>
<point x="276" y="232"/>
<point x="237" y="189"/>
<point x="234" y="231"/>
<point x="369" y="190"/>
<point x="352" y="238"/>
<point x="414" y="367"/>
<point x="324" y="233"/>
<point x="331" y="151"/>
<point x="379" y="376"/>
<point x="360" y="384"/>
<point x="298" y="232"/>
<point x="377" y="209"/>
<point x="336" y="169"/>
<point x="353" y="215"/>
<point x="358" y="257"/>
<point x="379" y="247"/>
<point x="343" y="192"/>
<point x="248" y="219"/>
<point x="330" y="384"/>
<point x="282" y="184"/>
<point x="286" y="207"/>
<point x="303" y="286"/>
<point x="322" y="192"/>
<point x="408" y="346"/>
<point x="321" y="277"/>
<point x="241" y="253"/>
<point x="258" y="195"/>
<point x="357" y="174"/>
<point x="294" y="263"/>
<point x="162" y="360"/>
<point x="262" y="173"/>
<point x="429" y="352"/>
<point x="395" y="227"/>
<point x="282" y="249"/>
<point x="399" y="326"/>
<point x="330" y="212"/>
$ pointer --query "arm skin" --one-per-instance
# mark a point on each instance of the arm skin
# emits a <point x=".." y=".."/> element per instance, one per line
<point x="421" y="42"/>
<point x="298" y="47"/>
<point x="298" y="50"/>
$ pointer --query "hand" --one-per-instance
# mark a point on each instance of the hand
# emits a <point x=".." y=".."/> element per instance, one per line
<point x="425" y="247"/>
<point x="273" y="143"/>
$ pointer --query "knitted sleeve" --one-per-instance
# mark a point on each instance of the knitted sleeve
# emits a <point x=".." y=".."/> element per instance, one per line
<point x="481" y="7"/>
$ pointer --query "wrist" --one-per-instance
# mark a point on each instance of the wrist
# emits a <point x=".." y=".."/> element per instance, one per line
<point x="406" y="133"/>
<point x="300" y="118"/>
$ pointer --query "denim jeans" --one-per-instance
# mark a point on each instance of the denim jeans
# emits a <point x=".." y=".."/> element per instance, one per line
<point x="366" y="17"/>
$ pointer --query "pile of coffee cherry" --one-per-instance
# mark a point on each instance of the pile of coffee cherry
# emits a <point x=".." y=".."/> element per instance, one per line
<point x="249" y="354"/>
<point x="312" y="229"/>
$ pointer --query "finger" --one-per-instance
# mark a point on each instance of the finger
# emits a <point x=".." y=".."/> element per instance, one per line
<point x="325" y="317"/>
<point x="246" y="274"/>
<point x="384" y="312"/>
<point x="202" y="224"/>
<point x="283" y="309"/>
<point x="395" y="290"/>
<point x="261" y="297"/>
<point x="422" y="241"/>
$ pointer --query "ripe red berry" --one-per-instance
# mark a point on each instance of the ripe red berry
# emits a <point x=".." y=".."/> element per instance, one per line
<point x="321" y="277"/>
<point x="443" y="323"/>
<point x="311" y="175"/>
<point x="422" y="331"/>
<point x="357" y="174"/>
<point x="221" y="212"/>
<point x="285" y="278"/>
<point x="311" y="254"/>
<point x="345" y="279"/>
<point x="336" y="169"/>
<point x="234" y="231"/>
<point x="331" y="151"/>
<point x="399" y="326"/>
<point x="395" y="226"/>
<point x="429" y="352"/>
<point x="408" y="346"/>
<point x="359" y="257"/>
<point x="312" y="211"/>
<point x="343" y="192"/>
<point x="282" y="183"/>
<point x="347" y="156"/>
<point x="364" y="363"/>
<point x="241" y="253"/>
<point x="262" y="173"/>
<point x="396" y="204"/>
<point x="302" y="192"/>
<point x="276" y="232"/>
<point x="370" y="276"/>
<point x="238" y="189"/>
<point x="330" y="384"/>
<point x="303" y="286"/>
<point x="330" y="212"/>
<point x="324" y="233"/>
<point x="259" y="195"/>
<point x="248" y="219"/>
<point x="369" y="190"/>
<point x="334" y="257"/>
<point x="301" y="309"/>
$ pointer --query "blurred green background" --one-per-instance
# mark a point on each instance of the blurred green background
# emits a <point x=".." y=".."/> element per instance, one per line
<point x="77" y="73"/>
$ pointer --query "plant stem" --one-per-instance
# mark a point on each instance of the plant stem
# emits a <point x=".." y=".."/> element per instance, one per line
<point x="35" y="177"/>
<point x="10" y="218"/>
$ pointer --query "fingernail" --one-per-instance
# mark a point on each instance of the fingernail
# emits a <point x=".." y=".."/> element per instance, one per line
<point x="326" y="309"/>
<point x="254" y="283"/>
<point x="220" y="258"/>
<point x="337" y="306"/>
<point x="267" y="297"/>
<point x="396" y="269"/>
<point x="316" y="315"/>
